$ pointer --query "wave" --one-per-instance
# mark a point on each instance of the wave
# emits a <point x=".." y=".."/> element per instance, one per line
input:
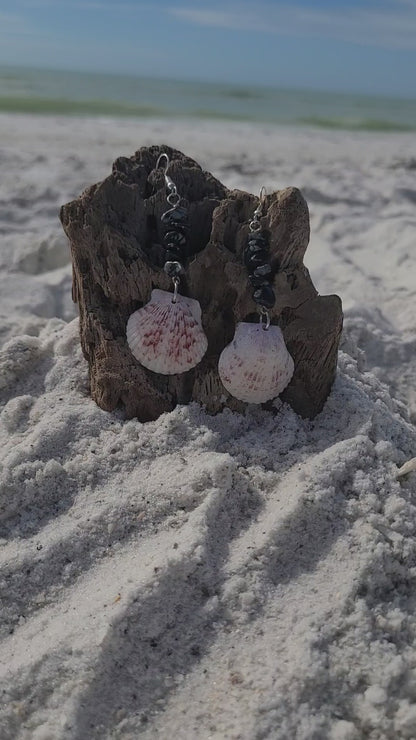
<point x="67" y="107"/>
<point x="76" y="107"/>
<point x="241" y="93"/>
<point x="366" y="124"/>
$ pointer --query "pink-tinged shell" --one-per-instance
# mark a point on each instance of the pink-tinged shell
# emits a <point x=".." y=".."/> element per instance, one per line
<point x="256" y="366"/>
<point x="167" y="337"/>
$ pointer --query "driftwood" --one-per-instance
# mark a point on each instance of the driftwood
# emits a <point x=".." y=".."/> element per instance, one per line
<point x="115" y="234"/>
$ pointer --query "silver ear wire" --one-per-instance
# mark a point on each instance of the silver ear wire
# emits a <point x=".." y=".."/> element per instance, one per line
<point x="255" y="224"/>
<point x="173" y="198"/>
<point x="160" y="157"/>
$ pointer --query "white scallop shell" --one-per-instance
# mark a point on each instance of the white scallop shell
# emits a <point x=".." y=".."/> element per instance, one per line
<point x="167" y="337"/>
<point x="256" y="366"/>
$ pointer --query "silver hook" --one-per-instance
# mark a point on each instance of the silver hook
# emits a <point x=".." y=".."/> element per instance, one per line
<point x="262" y="199"/>
<point x="255" y="224"/>
<point x="169" y="182"/>
<point x="159" y="159"/>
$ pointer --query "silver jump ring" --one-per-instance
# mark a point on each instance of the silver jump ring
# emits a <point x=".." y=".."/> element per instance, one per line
<point x="175" y="289"/>
<point x="254" y="225"/>
<point x="264" y="314"/>
<point x="173" y="198"/>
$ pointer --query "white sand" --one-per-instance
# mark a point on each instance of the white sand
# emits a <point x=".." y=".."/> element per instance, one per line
<point x="237" y="577"/>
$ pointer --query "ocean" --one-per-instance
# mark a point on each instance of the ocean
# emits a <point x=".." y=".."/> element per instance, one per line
<point x="77" y="93"/>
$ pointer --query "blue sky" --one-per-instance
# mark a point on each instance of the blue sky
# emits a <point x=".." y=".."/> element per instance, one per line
<point x="347" y="45"/>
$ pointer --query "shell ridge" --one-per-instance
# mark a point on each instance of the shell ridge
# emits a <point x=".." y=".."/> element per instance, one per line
<point x="165" y="336"/>
<point x="256" y="366"/>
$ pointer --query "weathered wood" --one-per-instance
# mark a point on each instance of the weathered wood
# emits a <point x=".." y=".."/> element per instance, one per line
<point x="115" y="234"/>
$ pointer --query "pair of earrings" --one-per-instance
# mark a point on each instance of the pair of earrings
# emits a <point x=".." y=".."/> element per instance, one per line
<point x="167" y="337"/>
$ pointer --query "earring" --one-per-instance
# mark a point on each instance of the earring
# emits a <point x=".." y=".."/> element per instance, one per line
<point x="256" y="366"/>
<point x="166" y="334"/>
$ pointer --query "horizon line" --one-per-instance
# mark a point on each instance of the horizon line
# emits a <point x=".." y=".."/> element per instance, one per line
<point x="206" y="81"/>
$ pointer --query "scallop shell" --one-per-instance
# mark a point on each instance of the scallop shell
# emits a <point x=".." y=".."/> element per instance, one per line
<point x="256" y="366"/>
<point x="167" y="337"/>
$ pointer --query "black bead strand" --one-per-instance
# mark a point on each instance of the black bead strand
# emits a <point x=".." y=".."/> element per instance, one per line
<point x="176" y="221"/>
<point x="259" y="270"/>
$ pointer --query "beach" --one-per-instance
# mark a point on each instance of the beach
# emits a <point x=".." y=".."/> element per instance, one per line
<point x="244" y="577"/>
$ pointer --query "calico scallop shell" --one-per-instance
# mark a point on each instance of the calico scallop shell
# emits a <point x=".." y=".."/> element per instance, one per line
<point x="256" y="366"/>
<point x="167" y="337"/>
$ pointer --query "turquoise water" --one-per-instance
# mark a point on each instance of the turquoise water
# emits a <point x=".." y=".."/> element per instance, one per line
<point x="77" y="93"/>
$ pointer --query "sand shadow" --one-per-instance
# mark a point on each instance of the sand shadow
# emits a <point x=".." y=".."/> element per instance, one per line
<point x="305" y="537"/>
<point x="163" y="634"/>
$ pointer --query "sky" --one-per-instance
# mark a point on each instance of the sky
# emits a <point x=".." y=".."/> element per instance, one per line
<point x="366" y="46"/>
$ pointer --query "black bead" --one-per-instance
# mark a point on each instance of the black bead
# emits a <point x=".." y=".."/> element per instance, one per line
<point x="176" y="238"/>
<point x="255" y="259"/>
<point x="257" y="280"/>
<point x="262" y="270"/>
<point x="264" y="296"/>
<point x="175" y="216"/>
<point x="253" y="247"/>
<point x="182" y="228"/>
<point x="174" y="255"/>
<point x="257" y="240"/>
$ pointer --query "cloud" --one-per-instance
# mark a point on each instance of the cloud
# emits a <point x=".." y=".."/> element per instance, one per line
<point x="391" y="25"/>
